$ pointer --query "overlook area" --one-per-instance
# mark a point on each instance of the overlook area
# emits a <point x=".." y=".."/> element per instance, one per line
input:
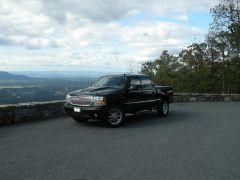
<point x="15" y="88"/>
<point x="196" y="141"/>
<point x="164" y="76"/>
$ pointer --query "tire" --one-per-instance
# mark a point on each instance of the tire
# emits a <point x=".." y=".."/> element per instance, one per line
<point x="80" y="119"/>
<point x="115" y="116"/>
<point x="163" y="108"/>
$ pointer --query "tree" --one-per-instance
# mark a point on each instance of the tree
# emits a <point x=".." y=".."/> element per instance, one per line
<point x="163" y="70"/>
<point x="209" y="67"/>
<point x="225" y="29"/>
<point x="148" y="68"/>
<point x="195" y="68"/>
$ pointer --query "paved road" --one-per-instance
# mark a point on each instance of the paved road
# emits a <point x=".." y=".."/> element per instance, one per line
<point x="196" y="141"/>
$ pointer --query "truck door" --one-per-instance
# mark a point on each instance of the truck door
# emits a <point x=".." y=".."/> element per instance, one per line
<point x="148" y="92"/>
<point x="134" y="95"/>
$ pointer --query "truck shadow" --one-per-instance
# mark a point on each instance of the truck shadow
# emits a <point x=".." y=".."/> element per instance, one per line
<point x="152" y="118"/>
<point x="149" y="119"/>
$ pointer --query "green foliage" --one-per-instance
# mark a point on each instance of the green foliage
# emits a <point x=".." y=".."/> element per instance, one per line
<point x="209" y="67"/>
<point x="163" y="69"/>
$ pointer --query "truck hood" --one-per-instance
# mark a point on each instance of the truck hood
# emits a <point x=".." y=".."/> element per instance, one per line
<point x="95" y="91"/>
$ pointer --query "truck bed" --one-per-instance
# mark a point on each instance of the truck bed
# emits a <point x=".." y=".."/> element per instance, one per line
<point x="166" y="91"/>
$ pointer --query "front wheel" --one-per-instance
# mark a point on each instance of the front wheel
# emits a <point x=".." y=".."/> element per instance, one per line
<point x="163" y="108"/>
<point x="115" y="116"/>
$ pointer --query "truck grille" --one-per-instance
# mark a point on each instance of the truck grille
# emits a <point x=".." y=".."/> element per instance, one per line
<point x="81" y="100"/>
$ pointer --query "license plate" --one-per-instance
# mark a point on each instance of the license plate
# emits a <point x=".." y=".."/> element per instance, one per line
<point x="77" y="109"/>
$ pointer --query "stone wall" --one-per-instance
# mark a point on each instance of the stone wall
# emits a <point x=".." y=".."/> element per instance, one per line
<point x="30" y="111"/>
<point x="195" y="97"/>
<point x="13" y="113"/>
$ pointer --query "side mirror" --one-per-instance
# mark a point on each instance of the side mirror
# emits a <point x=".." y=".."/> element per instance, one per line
<point x="132" y="88"/>
<point x="91" y="84"/>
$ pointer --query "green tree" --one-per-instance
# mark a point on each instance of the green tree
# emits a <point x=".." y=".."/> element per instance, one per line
<point x="166" y="69"/>
<point x="148" y="68"/>
<point x="163" y="70"/>
<point x="225" y="29"/>
<point x="226" y="23"/>
<point x="209" y="67"/>
<point x="194" y="72"/>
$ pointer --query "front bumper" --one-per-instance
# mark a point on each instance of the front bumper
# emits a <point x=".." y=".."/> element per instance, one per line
<point x="86" y="111"/>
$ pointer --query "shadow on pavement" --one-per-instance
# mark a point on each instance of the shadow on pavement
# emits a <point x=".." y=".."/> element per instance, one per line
<point x="146" y="119"/>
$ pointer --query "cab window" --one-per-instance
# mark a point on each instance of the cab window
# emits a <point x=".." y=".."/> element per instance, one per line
<point x="146" y="83"/>
<point x="135" y="84"/>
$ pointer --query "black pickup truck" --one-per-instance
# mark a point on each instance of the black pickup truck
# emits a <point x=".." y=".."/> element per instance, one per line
<point x="112" y="96"/>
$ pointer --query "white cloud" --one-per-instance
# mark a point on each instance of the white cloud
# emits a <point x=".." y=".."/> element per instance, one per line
<point x="153" y="37"/>
<point x="79" y="23"/>
<point x="108" y="10"/>
<point x="183" y="17"/>
<point x="106" y="59"/>
<point x="93" y="30"/>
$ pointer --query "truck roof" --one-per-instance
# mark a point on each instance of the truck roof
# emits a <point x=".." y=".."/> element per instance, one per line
<point x="129" y="75"/>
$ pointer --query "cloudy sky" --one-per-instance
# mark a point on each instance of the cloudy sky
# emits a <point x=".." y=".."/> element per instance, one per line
<point x="103" y="35"/>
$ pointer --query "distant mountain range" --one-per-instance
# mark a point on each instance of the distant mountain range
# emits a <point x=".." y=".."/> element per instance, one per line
<point x="63" y="74"/>
<point x="48" y="77"/>
<point x="18" y="88"/>
<point x="7" y="76"/>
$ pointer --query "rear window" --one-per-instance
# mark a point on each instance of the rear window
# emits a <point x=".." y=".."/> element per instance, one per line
<point x="135" y="82"/>
<point x="146" y="83"/>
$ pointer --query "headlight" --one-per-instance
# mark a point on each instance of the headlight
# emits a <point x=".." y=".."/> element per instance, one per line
<point x="99" y="101"/>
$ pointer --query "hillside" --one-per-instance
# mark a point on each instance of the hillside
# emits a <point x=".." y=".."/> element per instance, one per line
<point x="20" y="88"/>
<point x="7" y="76"/>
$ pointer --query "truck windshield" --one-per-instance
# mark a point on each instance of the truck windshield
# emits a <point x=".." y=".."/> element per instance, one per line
<point x="111" y="81"/>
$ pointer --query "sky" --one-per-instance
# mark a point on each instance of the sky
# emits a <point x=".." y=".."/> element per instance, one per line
<point x="96" y="35"/>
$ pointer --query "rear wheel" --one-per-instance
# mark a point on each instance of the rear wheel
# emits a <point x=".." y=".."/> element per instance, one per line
<point x="163" y="108"/>
<point x="115" y="116"/>
<point x="80" y="119"/>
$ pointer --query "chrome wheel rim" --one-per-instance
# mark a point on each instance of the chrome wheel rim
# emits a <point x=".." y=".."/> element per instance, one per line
<point x="165" y="108"/>
<point x="115" y="116"/>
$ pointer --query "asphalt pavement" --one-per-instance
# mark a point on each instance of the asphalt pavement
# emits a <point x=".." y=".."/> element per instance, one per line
<point x="196" y="141"/>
